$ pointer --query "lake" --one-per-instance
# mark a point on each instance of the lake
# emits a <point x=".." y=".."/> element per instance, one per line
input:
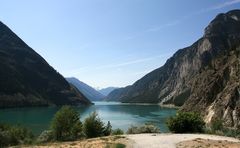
<point x="120" y="115"/>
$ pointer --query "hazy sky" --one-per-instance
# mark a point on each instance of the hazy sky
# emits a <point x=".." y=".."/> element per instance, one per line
<point x="109" y="42"/>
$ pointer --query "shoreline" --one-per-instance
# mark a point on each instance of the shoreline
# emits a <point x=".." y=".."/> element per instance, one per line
<point x="159" y="104"/>
<point x="170" y="106"/>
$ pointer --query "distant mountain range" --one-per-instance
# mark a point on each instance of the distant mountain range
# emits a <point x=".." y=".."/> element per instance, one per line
<point x="204" y="77"/>
<point x="87" y="90"/>
<point x="106" y="91"/>
<point x="26" y="79"/>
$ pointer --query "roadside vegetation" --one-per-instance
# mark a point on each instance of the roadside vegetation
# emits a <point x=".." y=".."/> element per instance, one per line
<point x="217" y="128"/>
<point x="146" y="128"/>
<point x="14" y="135"/>
<point x="186" y="122"/>
<point x="94" y="127"/>
<point x="66" y="126"/>
<point x="117" y="131"/>
<point x="189" y="122"/>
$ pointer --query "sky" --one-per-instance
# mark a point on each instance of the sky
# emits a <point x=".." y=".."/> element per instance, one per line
<point x="109" y="42"/>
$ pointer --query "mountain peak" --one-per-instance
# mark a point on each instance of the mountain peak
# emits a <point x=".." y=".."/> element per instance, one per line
<point x="27" y="79"/>
<point x="10" y="39"/>
<point x="235" y="14"/>
<point x="224" y="24"/>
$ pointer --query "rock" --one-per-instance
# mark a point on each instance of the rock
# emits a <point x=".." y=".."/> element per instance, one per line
<point x="204" y="77"/>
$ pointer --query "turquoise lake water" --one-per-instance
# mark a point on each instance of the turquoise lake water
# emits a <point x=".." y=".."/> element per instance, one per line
<point x="120" y="115"/>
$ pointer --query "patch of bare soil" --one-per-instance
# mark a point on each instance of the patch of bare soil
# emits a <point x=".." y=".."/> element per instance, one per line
<point x="207" y="143"/>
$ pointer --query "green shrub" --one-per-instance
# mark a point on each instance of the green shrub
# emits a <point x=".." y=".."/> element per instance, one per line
<point x="108" y="129"/>
<point x="133" y="130"/>
<point x="115" y="145"/>
<point x="217" y="128"/>
<point x="146" y="128"/>
<point x="14" y="135"/>
<point x="231" y="132"/>
<point x="94" y="127"/>
<point x="149" y="128"/>
<point x="117" y="131"/>
<point x="45" y="136"/>
<point x="186" y="122"/>
<point x="66" y="124"/>
<point x="120" y="145"/>
<point x="217" y="125"/>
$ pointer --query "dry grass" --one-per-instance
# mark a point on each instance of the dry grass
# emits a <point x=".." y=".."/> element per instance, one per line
<point x="102" y="142"/>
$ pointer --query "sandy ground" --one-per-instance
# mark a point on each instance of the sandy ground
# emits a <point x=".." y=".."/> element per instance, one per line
<point x="203" y="143"/>
<point x="187" y="141"/>
<point x="150" y="141"/>
<point x="102" y="142"/>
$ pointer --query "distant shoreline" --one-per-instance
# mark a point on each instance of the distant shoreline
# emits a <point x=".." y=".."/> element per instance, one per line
<point x="161" y="105"/>
<point x="169" y="106"/>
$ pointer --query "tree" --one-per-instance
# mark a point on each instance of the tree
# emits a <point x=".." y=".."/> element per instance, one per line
<point x="66" y="124"/>
<point x="94" y="127"/>
<point x="108" y="129"/>
<point x="186" y="122"/>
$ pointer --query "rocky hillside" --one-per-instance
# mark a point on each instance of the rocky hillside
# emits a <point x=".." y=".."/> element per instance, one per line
<point x="87" y="90"/>
<point x="202" y="77"/>
<point x="27" y="79"/>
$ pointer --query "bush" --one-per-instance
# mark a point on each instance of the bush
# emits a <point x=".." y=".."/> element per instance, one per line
<point x="45" y="136"/>
<point x="133" y="130"/>
<point x="217" y="125"/>
<point x="115" y="145"/>
<point x="66" y="124"/>
<point x="14" y="135"/>
<point x="231" y="133"/>
<point x="217" y="128"/>
<point x="146" y="128"/>
<point x="94" y="127"/>
<point x="186" y="122"/>
<point x="117" y="131"/>
<point x="108" y="129"/>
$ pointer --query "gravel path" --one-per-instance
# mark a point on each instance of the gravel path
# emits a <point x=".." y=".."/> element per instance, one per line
<point x="170" y="140"/>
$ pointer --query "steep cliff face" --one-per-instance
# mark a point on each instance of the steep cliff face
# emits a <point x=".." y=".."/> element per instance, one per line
<point x="26" y="79"/>
<point x="216" y="89"/>
<point x="167" y="85"/>
<point x="202" y="77"/>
